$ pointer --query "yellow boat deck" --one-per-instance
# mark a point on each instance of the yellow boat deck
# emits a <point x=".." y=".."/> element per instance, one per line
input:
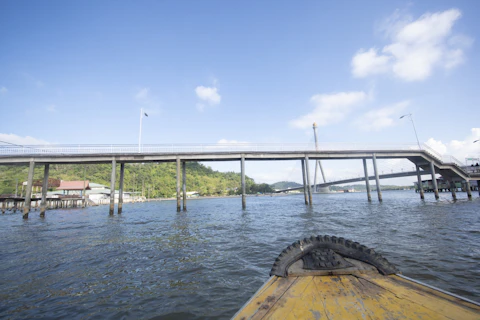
<point x="360" y="296"/>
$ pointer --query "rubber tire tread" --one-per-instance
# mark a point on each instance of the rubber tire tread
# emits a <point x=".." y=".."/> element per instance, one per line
<point x="345" y="248"/>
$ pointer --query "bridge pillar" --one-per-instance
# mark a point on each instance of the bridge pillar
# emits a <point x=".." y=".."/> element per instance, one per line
<point x="184" y="184"/>
<point x="420" y="186"/>
<point x="178" y="185"/>
<point x="434" y="180"/>
<point x="309" y="186"/>
<point x="244" y="196"/>
<point x="377" y="179"/>
<point x="469" y="191"/>
<point x="43" y="204"/>
<point x="28" y="192"/>
<point x="304" y="182"/>
<point x="367" y="182"/>
<point x="112" y="187"/>
<point x="453" y="188"/>
<point x="120" y="188"/>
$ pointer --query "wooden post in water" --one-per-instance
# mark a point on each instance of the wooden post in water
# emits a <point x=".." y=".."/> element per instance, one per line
<point x="309" y="186"/>
<point x="184" y="184"/>
<point x="4" y="202"/>
<point x="244" y="195"/>
<point x="453" y="189"/>
<point x="367" y="182"/>
<point x="28" y="192"/>
<point x="43" y="205"/>
<point x="304" y="182"/>
<point x="112" y="187"/>
<point x="120" y="188"/>
<point x="469" y="191"/>
<point x="377" y="179"/>
<point x="420" y="186"/>
<point x="178" y="184"/>
<point x="434" y="180"/>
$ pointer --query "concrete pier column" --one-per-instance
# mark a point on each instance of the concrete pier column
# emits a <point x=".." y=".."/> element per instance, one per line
<point x="469" y="191"/>
<point x="377" y="179"/>
<point x="28" y="192"/>
<point x="304" y="182"/>
<point x="112" y="187"/>
<point x="120" y="188"/>
<point x="367" y="182"/>
<point x="244" y="192"/>
<point x="178" y="185"/>
<point x="434" y="180"/>
<point x="309" y="186"/>
<point x="453" y="189"/>
<point x="43" y="205"/>
<point x="4" y="202"/>
<point x="420" y="186"/>
<point x="184" y="184"/>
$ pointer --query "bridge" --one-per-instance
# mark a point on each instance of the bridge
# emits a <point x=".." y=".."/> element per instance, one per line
<point x="425" y="159"/>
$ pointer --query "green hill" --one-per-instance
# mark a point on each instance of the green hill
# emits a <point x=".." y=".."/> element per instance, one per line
<point x="154" y="180"/>
<point x="285" y="185"/>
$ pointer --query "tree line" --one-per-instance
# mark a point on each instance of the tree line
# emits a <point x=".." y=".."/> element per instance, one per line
<point x="152" y="180"/>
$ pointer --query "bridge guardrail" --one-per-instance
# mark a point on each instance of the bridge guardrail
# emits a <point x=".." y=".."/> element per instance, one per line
<point x="174" y="148"/>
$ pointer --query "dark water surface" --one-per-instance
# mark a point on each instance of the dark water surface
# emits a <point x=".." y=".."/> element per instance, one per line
<point x="151" y="262"/>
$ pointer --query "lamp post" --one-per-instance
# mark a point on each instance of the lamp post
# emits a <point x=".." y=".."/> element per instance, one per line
<point x="140" y="135"/>
<point x="413" y="124"/>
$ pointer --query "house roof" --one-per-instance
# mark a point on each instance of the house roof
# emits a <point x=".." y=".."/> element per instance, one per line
<point x="73" y="185"/>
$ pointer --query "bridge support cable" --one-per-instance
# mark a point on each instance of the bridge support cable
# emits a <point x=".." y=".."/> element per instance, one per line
<point x="112" y="187"/>
<point x="469" y="191"/>
<point x="318" y="164"/>
<point x="419" y="181"/>
<point x="304" y="182"/>
<point x="367" y="182"/>
<point x="377" y="179"/>
<point x="28" y="191"/>
<point x="309" y="186"/>
<point x="120" y="188"/>
<point x="43" y="204"/>
<point x="244" y="195"/>
<point x="434" y="180"/>
<point x="178" y="185"/>
<point x="184" y="184"/>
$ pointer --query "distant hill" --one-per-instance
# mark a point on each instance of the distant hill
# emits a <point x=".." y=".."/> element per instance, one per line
<point x="153" y="180"/>
<point x="285" y="185"/>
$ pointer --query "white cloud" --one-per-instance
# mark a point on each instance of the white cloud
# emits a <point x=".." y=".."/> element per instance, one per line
<point x="378" y="119"/>
<point x="330" y="108"/>
<point x="366" y="63"/>
<point x="460" y="149"/>
<point x="225" y="141"/>
<point x="148" y="100"/>
<point x="3" y="90"/>
<point x="51" y="108"/>
<point x="13" y="138"/>
<point x="416" y="48"/>
<point x="208" y="94"/>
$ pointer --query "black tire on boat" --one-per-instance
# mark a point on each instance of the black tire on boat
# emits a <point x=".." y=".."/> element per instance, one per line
<point x="345" y="248"/>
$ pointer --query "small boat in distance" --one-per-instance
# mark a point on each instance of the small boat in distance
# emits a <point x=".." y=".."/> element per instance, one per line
<point x="327" y="277"/>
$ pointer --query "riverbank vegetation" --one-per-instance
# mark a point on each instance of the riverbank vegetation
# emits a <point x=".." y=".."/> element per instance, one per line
<point x="152" y="180"/>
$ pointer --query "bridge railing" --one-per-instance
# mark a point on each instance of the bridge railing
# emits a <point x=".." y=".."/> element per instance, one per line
<point x="452" y="160"/>
<point x="192" y="148"/>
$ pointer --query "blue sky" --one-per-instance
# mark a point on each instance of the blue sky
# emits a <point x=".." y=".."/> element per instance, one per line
<point x="241" y="71"/>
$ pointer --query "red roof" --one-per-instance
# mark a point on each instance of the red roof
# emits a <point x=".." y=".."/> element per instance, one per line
<point x="73" y="185"/>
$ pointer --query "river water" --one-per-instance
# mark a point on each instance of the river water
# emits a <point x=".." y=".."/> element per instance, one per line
<point x="152" y="262"/>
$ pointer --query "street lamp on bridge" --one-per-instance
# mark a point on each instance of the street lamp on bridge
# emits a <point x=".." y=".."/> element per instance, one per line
<point x="413" y="124"/>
